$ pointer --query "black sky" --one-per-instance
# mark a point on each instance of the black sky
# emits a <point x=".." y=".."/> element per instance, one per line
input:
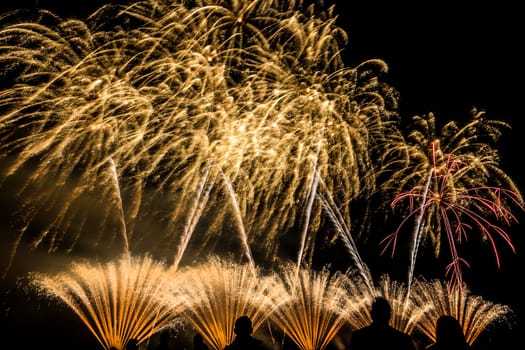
<point x="443" y="58"/>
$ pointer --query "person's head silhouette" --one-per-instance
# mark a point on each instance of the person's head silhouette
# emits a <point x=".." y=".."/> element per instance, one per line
<point x="449" y="331"/>
<point x="133" y="344"/>
<point x="164" y="336"/>
<point x="243" y="326"/>
<point x="198" y="338"/>
<point x="381" y="311"/>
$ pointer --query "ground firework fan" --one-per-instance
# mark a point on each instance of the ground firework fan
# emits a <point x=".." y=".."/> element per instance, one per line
<point x="473" y="312"/>
<point x="216" y="292"/>
<point x="316" y="308"/>
<point x="117" y="301"/>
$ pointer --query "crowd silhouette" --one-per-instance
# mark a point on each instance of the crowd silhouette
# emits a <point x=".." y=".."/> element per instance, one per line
<point x="377" y="335"/>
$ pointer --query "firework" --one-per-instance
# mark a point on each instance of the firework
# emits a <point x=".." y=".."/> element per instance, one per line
<point x="230" y="107"/>
<point x="117" y="301"/>
<point x="317" y="308"/>
<point x="171" y="124"/>
<point x="454" y="186"/>
<point x="405" y="313"/>
<point x="473" y="312"/>
<point x="215" y="293"/>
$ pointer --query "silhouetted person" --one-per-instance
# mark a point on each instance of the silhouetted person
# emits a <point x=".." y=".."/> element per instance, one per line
<point x="164" y="340"/>
<point x="132" y="344"/>
<point x="198" y="342"/>
<point x="379" y="334"/>
<point x="243" y="336"/>
<point x="449" y="335"/>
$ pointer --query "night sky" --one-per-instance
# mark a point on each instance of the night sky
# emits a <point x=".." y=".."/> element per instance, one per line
<point x="443" y="59"/>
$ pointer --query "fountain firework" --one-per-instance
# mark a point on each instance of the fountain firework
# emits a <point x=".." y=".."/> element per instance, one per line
<point x="317" y="308"/>
<point x="405" y="313"/>
<point x="136" y="297"/>
<point x="415" y="310"/>
<point x="216" y="292"/>
<point x="473" y="312"/>
<point x="117" y="301"/>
